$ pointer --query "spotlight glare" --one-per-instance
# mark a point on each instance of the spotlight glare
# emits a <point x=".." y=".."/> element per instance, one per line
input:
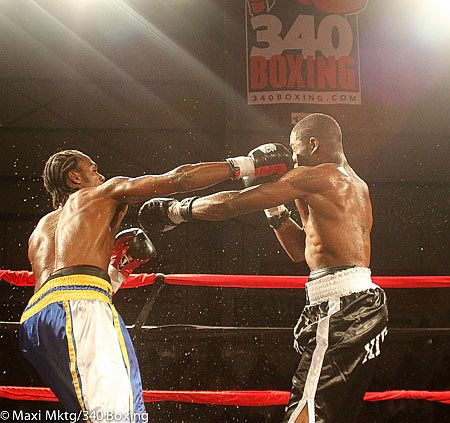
<point x="433" y="20"/>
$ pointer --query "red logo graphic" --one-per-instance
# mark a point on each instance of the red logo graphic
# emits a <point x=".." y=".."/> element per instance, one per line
<point x="338" y="7"/>
<point x="260" y="7"/>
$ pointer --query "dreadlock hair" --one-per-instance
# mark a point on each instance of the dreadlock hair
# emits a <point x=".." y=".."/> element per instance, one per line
<point x="56" y="173"/>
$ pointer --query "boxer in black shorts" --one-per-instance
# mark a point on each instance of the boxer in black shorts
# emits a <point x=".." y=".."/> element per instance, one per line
<point x="343" y="325"/>
<point x="339" y="335"/>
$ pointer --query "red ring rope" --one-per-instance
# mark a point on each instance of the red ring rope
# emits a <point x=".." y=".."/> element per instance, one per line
<point x="237" y="398"/>
<point x="25" y="278"/>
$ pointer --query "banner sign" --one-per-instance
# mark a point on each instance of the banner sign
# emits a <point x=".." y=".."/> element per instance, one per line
<point x="303" y="51"/>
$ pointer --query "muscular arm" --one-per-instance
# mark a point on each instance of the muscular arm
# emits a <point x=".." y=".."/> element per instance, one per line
<point x="190" y="177"/>
<point x="292" y="238"/>
<point x="297" y="183"/>
<point x="222" y="206"/>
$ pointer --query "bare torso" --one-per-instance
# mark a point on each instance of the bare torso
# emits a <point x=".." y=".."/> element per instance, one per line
<point x="80" y="233"/>
<point x="337" y="221"/>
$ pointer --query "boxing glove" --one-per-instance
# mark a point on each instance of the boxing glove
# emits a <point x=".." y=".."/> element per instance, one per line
<point x="131" y="248"/>
<point x="265" y="160"/>
<point x="164" y="214"/>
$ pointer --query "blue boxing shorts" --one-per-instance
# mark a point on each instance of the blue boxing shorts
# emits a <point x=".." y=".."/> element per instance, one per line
<point x="73" y="336"/>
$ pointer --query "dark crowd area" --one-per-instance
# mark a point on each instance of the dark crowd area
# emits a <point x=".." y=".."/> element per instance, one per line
<point x="144" y="96"/>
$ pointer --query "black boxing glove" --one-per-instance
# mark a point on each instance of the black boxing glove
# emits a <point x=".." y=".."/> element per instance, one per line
<point x="263" y="161"/>
<point x="164" y="214"/>
<point x="131" y="248"/>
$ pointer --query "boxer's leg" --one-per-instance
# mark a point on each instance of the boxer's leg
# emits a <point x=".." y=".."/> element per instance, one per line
<point x="102" y="367"/>
<point x="44" y="342"/>
<point x="339" y="359"/>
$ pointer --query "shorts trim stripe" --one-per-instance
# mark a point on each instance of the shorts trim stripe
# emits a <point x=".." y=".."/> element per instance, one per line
<point x="310" y="388"/>
<point x="63" y="296"/>
<point x="123" y="348"/>
<point x="87" y="281"/>
<point x="68" y="288"/>
<point x="72" y="355"/>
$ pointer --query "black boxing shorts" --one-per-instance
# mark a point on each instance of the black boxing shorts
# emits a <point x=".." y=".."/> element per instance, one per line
<point x="339" y="336"/>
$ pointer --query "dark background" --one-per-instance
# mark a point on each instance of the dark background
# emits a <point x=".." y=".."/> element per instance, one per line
<point x="145" y="86"/>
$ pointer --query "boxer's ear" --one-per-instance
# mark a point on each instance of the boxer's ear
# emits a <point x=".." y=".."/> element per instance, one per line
<point x="313" y="145"/>
<point x="74" y="179"/>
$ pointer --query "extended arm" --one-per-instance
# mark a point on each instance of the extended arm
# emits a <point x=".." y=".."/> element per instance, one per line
<point x="228" y="204"/>
<point x="163" y="214"/>
<point x="298" y="183"/>
<point x="184" y="178"/>
<point x="268" y="159"/>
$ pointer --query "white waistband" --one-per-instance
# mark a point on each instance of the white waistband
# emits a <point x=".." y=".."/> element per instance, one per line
<point x="339" y="284"/>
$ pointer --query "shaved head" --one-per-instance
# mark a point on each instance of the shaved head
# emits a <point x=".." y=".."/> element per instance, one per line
<point x="319" y="126"/>
<point x="324" y="131"/>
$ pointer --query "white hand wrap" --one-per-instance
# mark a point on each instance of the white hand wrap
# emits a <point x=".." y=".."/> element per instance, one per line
<point x="174" y="213"/>
<point x="277" y="215"/>
<point x="243" y="166"/>
<point x="275" y="211"/>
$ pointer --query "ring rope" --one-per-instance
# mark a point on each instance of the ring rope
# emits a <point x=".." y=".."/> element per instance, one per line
<point x="25" y="278"/>
<point x="235" y="398"/>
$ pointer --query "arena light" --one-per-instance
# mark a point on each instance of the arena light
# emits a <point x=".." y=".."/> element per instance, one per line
<point x="433" y="20"/>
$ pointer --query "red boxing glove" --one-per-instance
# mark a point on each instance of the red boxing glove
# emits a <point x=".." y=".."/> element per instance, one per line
<point x="131" y="249"/>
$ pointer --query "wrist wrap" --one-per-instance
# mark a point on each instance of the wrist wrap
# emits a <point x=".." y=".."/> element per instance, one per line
<point x="276" y="220"/>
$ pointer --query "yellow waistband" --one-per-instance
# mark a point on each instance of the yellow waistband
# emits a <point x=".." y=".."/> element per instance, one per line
<point x="72" y="287"/>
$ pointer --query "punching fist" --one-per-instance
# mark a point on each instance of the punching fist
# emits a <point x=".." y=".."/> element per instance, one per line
<point x="131" y="248"/>
<point x="164" y="214"/>
<point x="265" y="160"/>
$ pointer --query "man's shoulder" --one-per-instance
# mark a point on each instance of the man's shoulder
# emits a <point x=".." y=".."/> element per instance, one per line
<point x="50" y="217"/>
<point x="92" y="193"/>
<point x="322" y="172"/>
<point x="88" y="201"/>
<point x="104" y="190"/>
<point x="45" y="224"/>
<point x="334" y="172"/>
<point x="305" y="180"/>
